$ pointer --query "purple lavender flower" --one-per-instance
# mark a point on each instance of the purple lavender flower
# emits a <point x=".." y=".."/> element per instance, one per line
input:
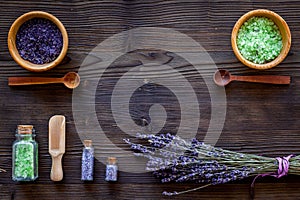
<point x="39" y="41"/>
<point x="171" y="158"/>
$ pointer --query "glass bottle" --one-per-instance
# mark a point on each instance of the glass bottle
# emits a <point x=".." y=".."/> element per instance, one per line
<point x="111" y="169"/>
<point x="25" y="154"/>
<point x="87" y="162"/>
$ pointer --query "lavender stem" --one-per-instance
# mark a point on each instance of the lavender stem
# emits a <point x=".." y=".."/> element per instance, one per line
<point x="185" y="191"/>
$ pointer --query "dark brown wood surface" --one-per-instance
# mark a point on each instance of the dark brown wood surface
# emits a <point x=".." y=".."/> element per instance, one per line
<point x="260" y="119"/>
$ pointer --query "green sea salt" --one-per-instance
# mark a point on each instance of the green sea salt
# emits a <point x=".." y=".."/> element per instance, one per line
<point x="24" y="161"/>
<point x="259" y="40"/>
<point x="25" y="158"/>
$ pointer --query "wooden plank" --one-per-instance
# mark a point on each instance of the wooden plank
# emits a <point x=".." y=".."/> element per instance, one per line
<point x="144" y="191"/>
<point x="260" y="119"/>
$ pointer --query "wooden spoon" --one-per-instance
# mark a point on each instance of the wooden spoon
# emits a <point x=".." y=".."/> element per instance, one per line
<point x="57" y="126"/>
<point x="223" y="77"/>
<point x="70" y="80"/>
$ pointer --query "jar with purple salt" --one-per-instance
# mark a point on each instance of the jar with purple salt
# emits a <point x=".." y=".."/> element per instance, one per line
<point x="87" y="162"/>
<point x="111" y="169"/>
<point x="39" y="41"/>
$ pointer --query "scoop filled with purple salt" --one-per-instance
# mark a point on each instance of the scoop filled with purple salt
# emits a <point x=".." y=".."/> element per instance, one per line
<point x="39" y="41"/>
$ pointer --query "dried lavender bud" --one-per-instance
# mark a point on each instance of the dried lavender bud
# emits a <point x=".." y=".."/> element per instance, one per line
<point x="170" y="193"/>
<point x="39" y="41"/>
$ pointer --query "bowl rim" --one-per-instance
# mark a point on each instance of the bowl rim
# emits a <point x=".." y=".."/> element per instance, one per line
<point x="284" y="51"/>
<point x="12" y="44"/>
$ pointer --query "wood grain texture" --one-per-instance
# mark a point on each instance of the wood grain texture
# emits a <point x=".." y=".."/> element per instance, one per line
<point x="260" y="119"/>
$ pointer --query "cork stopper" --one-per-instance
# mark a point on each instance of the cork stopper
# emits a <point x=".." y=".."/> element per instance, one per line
<point x="87" y="143"/>
<point x="25" y="129"/>
<point x="112" y="160"/>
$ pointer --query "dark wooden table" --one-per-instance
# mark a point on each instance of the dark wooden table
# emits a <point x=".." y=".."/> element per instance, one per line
<point x="259" y="119"/>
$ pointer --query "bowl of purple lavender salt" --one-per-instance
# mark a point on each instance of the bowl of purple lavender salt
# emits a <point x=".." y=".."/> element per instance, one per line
<point x="37" y="41"/>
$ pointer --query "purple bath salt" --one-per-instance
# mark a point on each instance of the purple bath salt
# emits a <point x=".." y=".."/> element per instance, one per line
<point x="87" y="162"/>
<point x="39" y="41"/>
<point x="111" y="169"/>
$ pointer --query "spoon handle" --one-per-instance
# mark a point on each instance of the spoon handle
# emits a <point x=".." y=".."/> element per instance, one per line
<point x="264" y="79"/>
<point x="32" y="80"/>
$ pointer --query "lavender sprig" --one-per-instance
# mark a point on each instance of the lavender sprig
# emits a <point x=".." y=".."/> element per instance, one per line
<point x="172" y="158"/>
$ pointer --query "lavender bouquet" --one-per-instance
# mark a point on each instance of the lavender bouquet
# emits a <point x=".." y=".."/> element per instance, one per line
<point x="172" y="158"/>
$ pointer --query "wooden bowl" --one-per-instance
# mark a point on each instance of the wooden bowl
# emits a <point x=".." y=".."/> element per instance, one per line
<point x="283" y="28"/>
<point x="12" y="41"/>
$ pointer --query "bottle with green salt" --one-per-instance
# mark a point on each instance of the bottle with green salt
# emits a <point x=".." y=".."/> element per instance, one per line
<point x="25" y="154"/>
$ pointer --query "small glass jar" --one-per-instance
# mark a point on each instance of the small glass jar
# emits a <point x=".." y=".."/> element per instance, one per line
<point x="25" y="154"/>
<point x="111" y="169"/>
<point x="87" y="161"/>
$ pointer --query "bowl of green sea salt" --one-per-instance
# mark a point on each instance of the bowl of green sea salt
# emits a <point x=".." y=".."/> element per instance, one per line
<point x="261" y="39"/>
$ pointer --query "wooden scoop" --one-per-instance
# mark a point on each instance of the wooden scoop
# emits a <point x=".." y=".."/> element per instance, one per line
<point x="223" y="77"/>
<point x="70" y="80"/>
<point x="57" y="126"/>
